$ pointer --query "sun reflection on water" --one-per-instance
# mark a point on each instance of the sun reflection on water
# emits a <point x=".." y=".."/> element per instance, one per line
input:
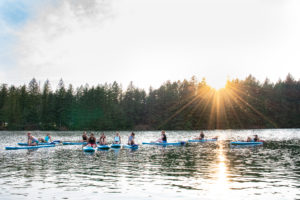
<point x="221" y="185"/>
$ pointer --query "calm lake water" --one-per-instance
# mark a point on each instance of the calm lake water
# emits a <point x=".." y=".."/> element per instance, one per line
<point x="195" y="171"/>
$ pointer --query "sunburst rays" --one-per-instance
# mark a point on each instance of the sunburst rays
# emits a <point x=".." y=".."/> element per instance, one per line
<point x="223" y="108"/>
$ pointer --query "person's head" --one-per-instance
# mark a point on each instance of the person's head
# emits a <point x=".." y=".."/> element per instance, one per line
<point x="163" y="132"/>
<point x="92" y="134"/>
<point x="48" y="134"/>
<point x="132" y="134"/>
<point x="102" y="134"/>
<point x="84" y="133"/>
<point x="28" y="134"/>
<point x="118" y="134"/>
<point x="255" y="136"/>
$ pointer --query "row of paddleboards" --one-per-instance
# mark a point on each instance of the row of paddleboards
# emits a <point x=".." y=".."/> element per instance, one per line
<point x="40" y="145"/>
<point x="150" y="143"/>
<point x="46" y="145"/>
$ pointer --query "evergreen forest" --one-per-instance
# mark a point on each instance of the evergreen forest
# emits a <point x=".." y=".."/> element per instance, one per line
<point x="179" y="105"/>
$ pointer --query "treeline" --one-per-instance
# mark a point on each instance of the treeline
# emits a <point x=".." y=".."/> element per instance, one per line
<point x="180" y="105"/>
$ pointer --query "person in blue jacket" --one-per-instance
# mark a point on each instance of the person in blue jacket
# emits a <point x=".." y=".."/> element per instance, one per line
<point x="117" y="138"/>
<point x="48" y="137"/>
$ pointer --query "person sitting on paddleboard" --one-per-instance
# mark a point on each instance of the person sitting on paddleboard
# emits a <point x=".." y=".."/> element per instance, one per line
<point x="256" y="139"/>
<point x="131" y="139"/>
<point x="163" y="138"/>
<point x="117" y="138"/>
<point x="33" y="141"/>
<point x="48" y="137"/>
<point x="201" y="136"/>
<point x="92" y="141"/>
<point x="249" y="139"/>
<point x="84" y="137"/>
<point x="102" y="140"/>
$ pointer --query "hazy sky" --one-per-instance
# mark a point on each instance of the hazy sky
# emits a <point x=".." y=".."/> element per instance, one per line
<point x="148" y="41"/>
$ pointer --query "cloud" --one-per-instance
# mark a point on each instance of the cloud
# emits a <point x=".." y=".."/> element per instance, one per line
<point x="149" y="42"/>
<point x="58" y="35"/>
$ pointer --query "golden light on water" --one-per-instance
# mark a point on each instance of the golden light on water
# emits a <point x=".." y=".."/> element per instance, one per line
<point x="220" y="187"/>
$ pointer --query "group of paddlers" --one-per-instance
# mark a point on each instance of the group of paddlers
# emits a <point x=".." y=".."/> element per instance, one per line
<point x="91" y="140"/>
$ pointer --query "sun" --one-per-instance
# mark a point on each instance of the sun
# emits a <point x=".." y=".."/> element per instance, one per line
<point x="217" y="83"/>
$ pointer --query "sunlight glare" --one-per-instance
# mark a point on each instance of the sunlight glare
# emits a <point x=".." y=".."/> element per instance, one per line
<point x="217" y="83"/>
<point x="220" y="186"/>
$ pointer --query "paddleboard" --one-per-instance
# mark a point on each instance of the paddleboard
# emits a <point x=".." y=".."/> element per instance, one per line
<point x="74" y="143"/>
<point x="204" y="140"/>
<point x="246" y="143"/>
<point x="88" y="149"/>
<point x="135" y="146"/>
<point x="165" y="144"/>
<point x="103" y="147"/>
<point x="115" y="146"/>
<point x="29" y="147"/>
<point x="26" y="144"/>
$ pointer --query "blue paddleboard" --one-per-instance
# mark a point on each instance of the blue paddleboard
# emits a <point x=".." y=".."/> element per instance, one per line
<point x="115" y="146"/>
<point x="47" y="143"/>
<point x="89" y="149"/>
<point x="29" y="147"/>
<point x="165" y="143"/>
<point x="103" y="147"/>
<point x="135" y="146"/>
<point x="204" y="140"/>
<point x="74" y="143"/>
<point x="246" y="143"/>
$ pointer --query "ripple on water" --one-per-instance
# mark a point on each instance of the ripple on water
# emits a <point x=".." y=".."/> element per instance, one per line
<point x="197" y="170"/>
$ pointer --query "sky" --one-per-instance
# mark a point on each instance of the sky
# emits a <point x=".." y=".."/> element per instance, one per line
<point x="148" y="41"/>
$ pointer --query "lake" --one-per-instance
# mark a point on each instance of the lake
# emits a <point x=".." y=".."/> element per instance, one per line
<point x="213" y="170"/>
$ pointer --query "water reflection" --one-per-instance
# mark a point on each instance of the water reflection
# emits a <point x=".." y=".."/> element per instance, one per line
<point x="204" y="170"/>
<point x="220" y="186"/>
